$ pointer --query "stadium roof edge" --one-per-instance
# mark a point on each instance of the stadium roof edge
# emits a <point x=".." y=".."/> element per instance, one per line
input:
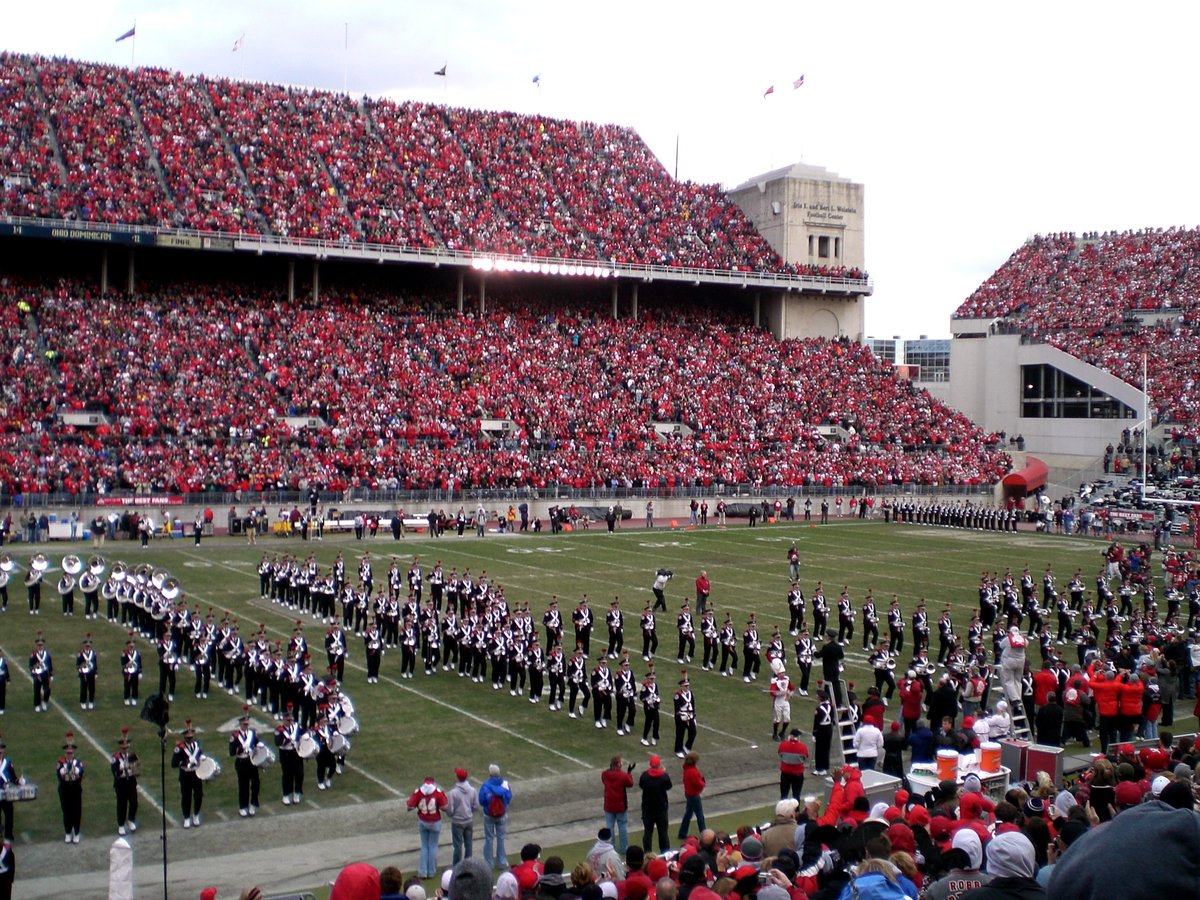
<point x="187" y="239"/>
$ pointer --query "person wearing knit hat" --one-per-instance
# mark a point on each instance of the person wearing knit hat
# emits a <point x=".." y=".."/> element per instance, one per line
<point x="603" y="856"/>
<point x="461" y="804"/>
<point x="355" y="881"/>
<point x="472" y="880"/>
<point x="1012" y="863"/>
<point x="751" y="850"/>
<point x="965" y="858"/>
<point x="1147" y="851"/>
<point x="1179" y="795"/>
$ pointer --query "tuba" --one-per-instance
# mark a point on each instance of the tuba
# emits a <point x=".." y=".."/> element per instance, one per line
<point x="88" y="582"/>
<point x="72" y="564"/>
<point x="142" y="574"/>
<point x="120" y="572"/>
<point x="158" y="577"/>
<point x="170" y="588"/>
<point x="96" y="565"/>
<point x="6" y="563"/>
<point x="66" y="584"/>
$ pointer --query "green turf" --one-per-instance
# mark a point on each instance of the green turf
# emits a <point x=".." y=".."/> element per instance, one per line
<point x="429" y="725"/>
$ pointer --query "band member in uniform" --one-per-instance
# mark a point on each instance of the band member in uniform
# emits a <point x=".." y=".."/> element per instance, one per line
<point x="131" y="671"/>
<point x="651" y="702"/>
<point x="241" y="745"/>
<point x="822" y="731"/>
<point x="291" y="763"/>
<point x="945" y="626"/>
<point x="326" y="761"/>
<point x="649" y="632"/>
<point x="556" y="667"/>
<point x="883" y="664"/>
<point x="751" y="651"/>
<point x="831" y="654"/>
<point x="70" y="790"/>
<point x="685" y="717"/>
<point x="870" y="622"/>
<point x="41" y="668"/>
<point x="85" y="664"/>
<point x="553" y="623"/>
<point x="709" y="634"/>
<point x="845" y="611"/>
<point x="661" y="577"/>
<point x="795" y="603"/>
<point x="615" y="620"/>
<point x="687" y="634"/>
<point x="920" y="627"/>
<point x="535" y="662"/>
<point x="782" y="691"/>
<point x="577" y="681"/>
<point x="626" y="691"/>
<point x="335" y="650"/>
<point x="728" y="639"/>
<point x="8" y="776"/>
<point x="804" y="659"/>
<point x="895" y="618"/>
<point x="373" y="645"/>
<point x="125" y="769"/>
<point x="820" y="609"/>
<point x="582" y="619"/>
<point x="602" y="692"/>
<point x="185" y="757"/>
<point x="168" y="663"/>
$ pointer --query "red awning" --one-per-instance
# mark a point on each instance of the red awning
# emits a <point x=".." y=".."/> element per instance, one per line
<point x="1028" y="479"/>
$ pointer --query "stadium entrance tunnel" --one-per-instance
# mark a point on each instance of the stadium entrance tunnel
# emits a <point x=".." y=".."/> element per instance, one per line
<point x="1024" y="482"/>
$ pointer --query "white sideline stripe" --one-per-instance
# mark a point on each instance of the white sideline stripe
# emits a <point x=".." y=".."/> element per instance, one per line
<point x="79" y="729"/>
<point x="431" y="699"/>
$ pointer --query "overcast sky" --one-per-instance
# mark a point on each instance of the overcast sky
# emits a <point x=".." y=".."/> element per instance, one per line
<point x="973" y="126"/>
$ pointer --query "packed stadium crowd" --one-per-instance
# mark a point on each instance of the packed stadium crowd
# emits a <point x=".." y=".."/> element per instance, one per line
<point x="196" y="386"/>
<point x="108" y="144"/>
<point x="1109" y="299"/>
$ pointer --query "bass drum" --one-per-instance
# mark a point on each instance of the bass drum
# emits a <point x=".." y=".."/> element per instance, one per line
<point x="347" y="726"/>
<point x="306" y="747"/>
<point x="262" y="756"/>
<point x="208" y="769"/>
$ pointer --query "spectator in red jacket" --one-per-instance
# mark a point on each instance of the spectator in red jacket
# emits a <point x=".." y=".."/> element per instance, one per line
<point x="617" y="780"/>
<point x="703" y="589"/>
<point x="428" y="800"/>
<point x="1130" y="717"/>
<point x="693" y="787"/>
<point x="912" y="693"/>
<point x="1106" y="694"/>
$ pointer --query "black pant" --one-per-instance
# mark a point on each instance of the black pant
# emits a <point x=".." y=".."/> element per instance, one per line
<point x="650" y="728"/>
<point x="793" y="784"/>
<point x="685" y="735"/>
<point x="575" y="690"/>
<point x="191" y="793"/>
<point x="687" y="642"/>
<point x="127" y="800"/>
<point x="247" y="776"/>
<point x="6" y="815"/>
<point x="70" y="798"/>
<point x="652" y="821"/>
<point x="292" y="767"/>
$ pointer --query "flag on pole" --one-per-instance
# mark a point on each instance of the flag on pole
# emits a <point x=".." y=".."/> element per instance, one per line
<point x="798" y="83"/>
<point x="441" y="71"/>
<point x="769" y="90"/>
<point x="130" y="33"/>
<point x="237" y="45"/>
<point x="537" y="79"/>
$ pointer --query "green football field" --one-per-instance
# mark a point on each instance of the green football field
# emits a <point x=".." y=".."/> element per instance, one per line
<point x="429" y="725"/>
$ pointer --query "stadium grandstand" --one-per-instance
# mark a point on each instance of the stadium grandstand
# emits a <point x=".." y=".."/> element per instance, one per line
<point x="198" y="377"/>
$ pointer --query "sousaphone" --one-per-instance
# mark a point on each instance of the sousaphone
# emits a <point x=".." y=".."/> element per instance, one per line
<point x="96" y="565"/>
<point x="120" y="572"/>
<point x="37" y="567"/>
<point x="170" y="589"/>
<point x="72" y="564"/>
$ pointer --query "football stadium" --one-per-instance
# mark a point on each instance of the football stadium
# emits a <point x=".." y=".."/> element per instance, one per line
<point x="403" y="496"/>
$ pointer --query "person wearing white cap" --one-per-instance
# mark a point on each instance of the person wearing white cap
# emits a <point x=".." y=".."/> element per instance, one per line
<point x="1012" y="863"/>
<point x="965" y="873"/>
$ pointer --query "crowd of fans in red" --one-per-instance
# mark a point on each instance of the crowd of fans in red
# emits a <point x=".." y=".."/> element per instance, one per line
<point x="107" y="144"/>
<point x="1108" y="299"/>
<point x="196" y="381"/>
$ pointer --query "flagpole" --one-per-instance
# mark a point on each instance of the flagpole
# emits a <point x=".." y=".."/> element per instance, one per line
<point x="345" y="56"/>
<point x="677" y="156"/>
<point x="133" y="46"/>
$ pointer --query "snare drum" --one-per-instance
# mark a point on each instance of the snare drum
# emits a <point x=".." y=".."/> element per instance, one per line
<point x="306" y="747"/>
<point x="347" y="725"/>
<point x="18" y="793"/>
<point x="208" y="769"/>
<point x="338" y="744"/>
<point x="262" y="756"/>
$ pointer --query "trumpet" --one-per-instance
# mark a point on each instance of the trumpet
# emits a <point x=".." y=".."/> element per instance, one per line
<point x="72" y="564"/>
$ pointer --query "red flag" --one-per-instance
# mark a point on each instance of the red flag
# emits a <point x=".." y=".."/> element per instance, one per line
<point x="769" y="90"/>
